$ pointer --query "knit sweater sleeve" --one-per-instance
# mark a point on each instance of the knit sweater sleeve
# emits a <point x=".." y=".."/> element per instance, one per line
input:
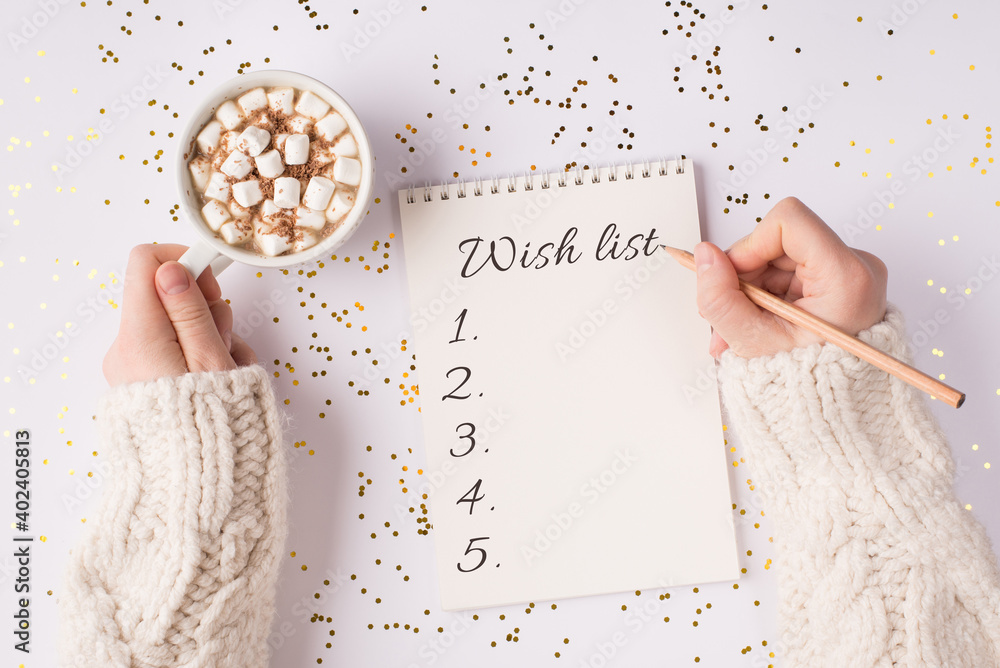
<point x="177" y="566"/>
<point x="877" y="562"/>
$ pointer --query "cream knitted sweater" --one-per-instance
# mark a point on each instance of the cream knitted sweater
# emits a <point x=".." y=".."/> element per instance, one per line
<point x="878" y="564"/>
<point x="177" y="566"/>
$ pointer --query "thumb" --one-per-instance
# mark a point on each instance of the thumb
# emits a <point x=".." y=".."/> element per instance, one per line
<point x="185" y="305"/>
<point x="737" y="322"/>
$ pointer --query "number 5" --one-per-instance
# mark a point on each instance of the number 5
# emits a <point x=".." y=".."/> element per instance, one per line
<point x="482" y="557"/>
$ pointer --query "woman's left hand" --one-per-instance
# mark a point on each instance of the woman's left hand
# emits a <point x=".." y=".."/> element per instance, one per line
<point x="171" y="324"/>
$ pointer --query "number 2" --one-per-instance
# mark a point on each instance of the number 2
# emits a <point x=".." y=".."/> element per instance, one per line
<point x="482" y="555"/>
<point x="452" y="395"/>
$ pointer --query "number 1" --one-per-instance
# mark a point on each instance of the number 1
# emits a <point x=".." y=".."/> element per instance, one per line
<point x="461" y="321"/>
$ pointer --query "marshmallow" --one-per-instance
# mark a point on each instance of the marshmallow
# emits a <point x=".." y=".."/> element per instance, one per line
<point x="299" y="124"/>
<point x="318" y="193"/>
<point x="345" y="147"/>
<point x="227" y="144"/>
<point x="215" y="214"/>
<point x="340" y="204"/>
<point x="269" y="164"/>
<point x="297" y="150"/>
<point x="280" y="100"/>
<point x="346" y="170"/>
<point x="252" y="101"/>
<point x="306" y="239"/>
<point x="238" y="211"/>
<point x="201" y="170"/>
<point x="306" y="217"/>
<point x="331" y="125"/>
<point x="229" y="140"/>
<point x="253" y="141"/>
<point x="268" y="210"/>
<point x="208" y="138"/>
<point x="235" y="232"/>
<point x="312" y="106"/>
<point x="247" y="193"/>
<point x="278" y="141"/>
<point x="321" y="156"/>
<point x="268" y="241"/>
<point x="286" y="192"/>
<point x="229" y="115"/>
<point x="218" y="187"/>
<point x="238" y="165"/>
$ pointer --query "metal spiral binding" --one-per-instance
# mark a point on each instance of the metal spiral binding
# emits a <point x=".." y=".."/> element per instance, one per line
<point x="663" y="168"/>
<point x="678" y="166"/>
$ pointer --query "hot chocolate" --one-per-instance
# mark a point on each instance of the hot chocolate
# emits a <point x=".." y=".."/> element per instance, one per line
<point x="277" y="169"/>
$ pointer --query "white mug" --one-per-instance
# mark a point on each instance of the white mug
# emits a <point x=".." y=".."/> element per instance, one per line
<point x="209" y="249"/>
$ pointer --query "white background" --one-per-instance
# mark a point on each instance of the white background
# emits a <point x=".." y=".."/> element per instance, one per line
<point x="63" y="251"/>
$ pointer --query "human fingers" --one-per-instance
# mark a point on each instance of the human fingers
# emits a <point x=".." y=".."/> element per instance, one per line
<point x="789" y="236"/>
<point x="242" y="353"/>
<point x="142" y="313"/>
<point x="146" y="345"/>
<point x="830" y="280"/>
<point x="222" y="315"/>
<point x="740" y="324"/>
<point x="192" y="319"/>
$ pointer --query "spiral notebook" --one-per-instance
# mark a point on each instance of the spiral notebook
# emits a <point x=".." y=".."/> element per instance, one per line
<point x="573" y="444"/>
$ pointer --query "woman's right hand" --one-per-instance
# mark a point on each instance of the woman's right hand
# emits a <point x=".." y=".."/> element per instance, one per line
<point x="793" y="254"/>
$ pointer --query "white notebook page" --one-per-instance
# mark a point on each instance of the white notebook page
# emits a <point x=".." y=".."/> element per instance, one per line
<point x="573" y="444"/>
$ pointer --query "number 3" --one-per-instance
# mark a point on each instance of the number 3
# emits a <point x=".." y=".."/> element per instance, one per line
<point x="472" y="439"/>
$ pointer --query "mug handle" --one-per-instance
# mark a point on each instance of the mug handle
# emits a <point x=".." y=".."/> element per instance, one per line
<point x="201" y="256"/>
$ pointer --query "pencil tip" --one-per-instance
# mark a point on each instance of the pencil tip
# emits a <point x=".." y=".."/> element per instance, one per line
<point x="682" y="256"/>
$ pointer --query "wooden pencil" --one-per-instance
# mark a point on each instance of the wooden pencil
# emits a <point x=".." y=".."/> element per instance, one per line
<point x="838" y="337"/>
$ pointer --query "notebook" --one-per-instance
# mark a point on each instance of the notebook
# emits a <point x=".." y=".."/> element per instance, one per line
<point x="573" y="444"/>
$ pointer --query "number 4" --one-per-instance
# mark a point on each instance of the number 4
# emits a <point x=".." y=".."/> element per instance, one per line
<point x="471" y="496"/>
